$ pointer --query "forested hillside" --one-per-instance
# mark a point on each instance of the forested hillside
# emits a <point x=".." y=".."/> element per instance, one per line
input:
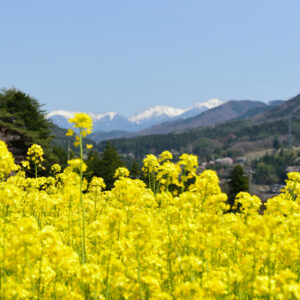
<point x="290" y="108"/>
<point x="255" y="127"/>
<point x="234" y="138"/>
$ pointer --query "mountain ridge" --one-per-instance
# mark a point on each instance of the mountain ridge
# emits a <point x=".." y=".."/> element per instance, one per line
<point x="112" y="125"/>
<point x="112" y="121"/>
<point x="254" y="130"/>
<point x="222" y="113"/>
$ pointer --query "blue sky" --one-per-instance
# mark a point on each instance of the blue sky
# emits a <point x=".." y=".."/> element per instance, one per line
<point x="125" y="55"/>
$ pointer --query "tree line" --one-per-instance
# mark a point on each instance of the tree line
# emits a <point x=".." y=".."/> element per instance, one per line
<point x="23" y="122"/>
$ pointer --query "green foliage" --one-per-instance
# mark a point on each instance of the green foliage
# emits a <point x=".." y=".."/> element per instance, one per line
<point x="136" y="171"/>
<point x="104" y="165"/>
<point x="22" y="116"/>
<point x="233" y="138"/>
<point x="266" y="173"/>
<point x="238" y="183"/>
<point x="61" y="155"/>
<point x="23" y="123"/>
<point x="270" y="168"/>
<point x="19" y="111"/>
<point x="276" y="143"/>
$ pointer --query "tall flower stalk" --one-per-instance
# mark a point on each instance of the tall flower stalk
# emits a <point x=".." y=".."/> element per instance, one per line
<point x="35" y="154"/>
<point x="84" y="123"/>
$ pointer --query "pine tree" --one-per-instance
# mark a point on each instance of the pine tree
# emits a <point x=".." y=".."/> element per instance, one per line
<point x="24" y="112"/>
<point x="104" y="165"/>
<point x="135" y="171"/>
<point x="22" y="116"/>
<point x="94" y="165"/>
<point x="238" y="183"/>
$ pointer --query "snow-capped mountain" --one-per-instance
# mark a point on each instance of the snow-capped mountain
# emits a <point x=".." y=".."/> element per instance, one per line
<point x="149" y="117"/>
<point x="111" y="121"/>
<point x="60" y="118"/>
<point x="155" y="114"/>
<point x="158" y="114"/>
<point x="105" y="122"/>
<point x="199" y="107"/>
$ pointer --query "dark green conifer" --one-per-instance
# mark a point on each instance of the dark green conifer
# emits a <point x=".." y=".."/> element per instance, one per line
<point x="135" y="171"/>
<point x="238" y="183"/>
<point x="104" y="165"/>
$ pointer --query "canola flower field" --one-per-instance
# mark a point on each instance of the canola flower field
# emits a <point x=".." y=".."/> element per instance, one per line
<point x="64" y="238"/>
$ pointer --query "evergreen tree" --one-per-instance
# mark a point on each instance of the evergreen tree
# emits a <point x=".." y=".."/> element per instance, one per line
<point x="23" y="122"/>
<point x="135" y="171"/>
<point x="110" y="161"/>
<point x="61" y="155"/>
<point x="22" y="115"/>
<point x="104" y="165"/>
<point x="94" y="165"/>
<point x="24" y="112"/>
<point x="238" y="183"/>
<point x="276" y="143"/>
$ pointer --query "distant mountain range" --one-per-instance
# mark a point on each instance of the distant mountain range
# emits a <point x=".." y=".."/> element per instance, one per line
<point x="232" y="129"/>
<point x="165" y="119"/>
<point x="113" y="121"/>
<point x="227" y="111"/>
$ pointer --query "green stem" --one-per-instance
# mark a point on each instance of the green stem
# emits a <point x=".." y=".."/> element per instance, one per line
<point x="69" y="220"/>
<point x="149" y="179"/>
<point x="153" y="180"/>
<point x="40" y="274"/>
<point x="81" y="202"/>
<point x="139" y="274"/>
<point x="107" y="273"/>
<point x="3" y="252"/>
<point x="95" y="207"/>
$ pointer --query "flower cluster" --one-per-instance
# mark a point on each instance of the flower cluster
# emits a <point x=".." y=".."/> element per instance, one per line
<point x="150" y="163"/>
<point x="35" y="154"/>
<point x="35" y="157"/>
<point x="83" y="122"/>
<point x="55" y="168"/>
<point x="7" y="162"/>
<point x="121" y="172"/>
<point x="172" y="240"/>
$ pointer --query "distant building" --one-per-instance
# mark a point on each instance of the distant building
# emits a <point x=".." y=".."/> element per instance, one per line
<point x="174" y="152"/>
<point x="130" y="154"/>
<point x="227" y="161"/>
<point x="276" y="188"/>
<point x="292" y="169"/>
<point x="240" y="160"/>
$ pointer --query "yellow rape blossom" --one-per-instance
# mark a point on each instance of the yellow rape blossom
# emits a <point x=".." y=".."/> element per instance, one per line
<point x="121" y="172"/>
<point x="7" y="164"/>
<point x="150" y="163"/>
<point x="70" y="132"/>
<point x="74" y="165"/>
<point x="83" y="122"/>
<point x="132" y="242"/>
<point x="166" y="155"/>
<point x="55" y="168"/>
<point x="35" y="154"/>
